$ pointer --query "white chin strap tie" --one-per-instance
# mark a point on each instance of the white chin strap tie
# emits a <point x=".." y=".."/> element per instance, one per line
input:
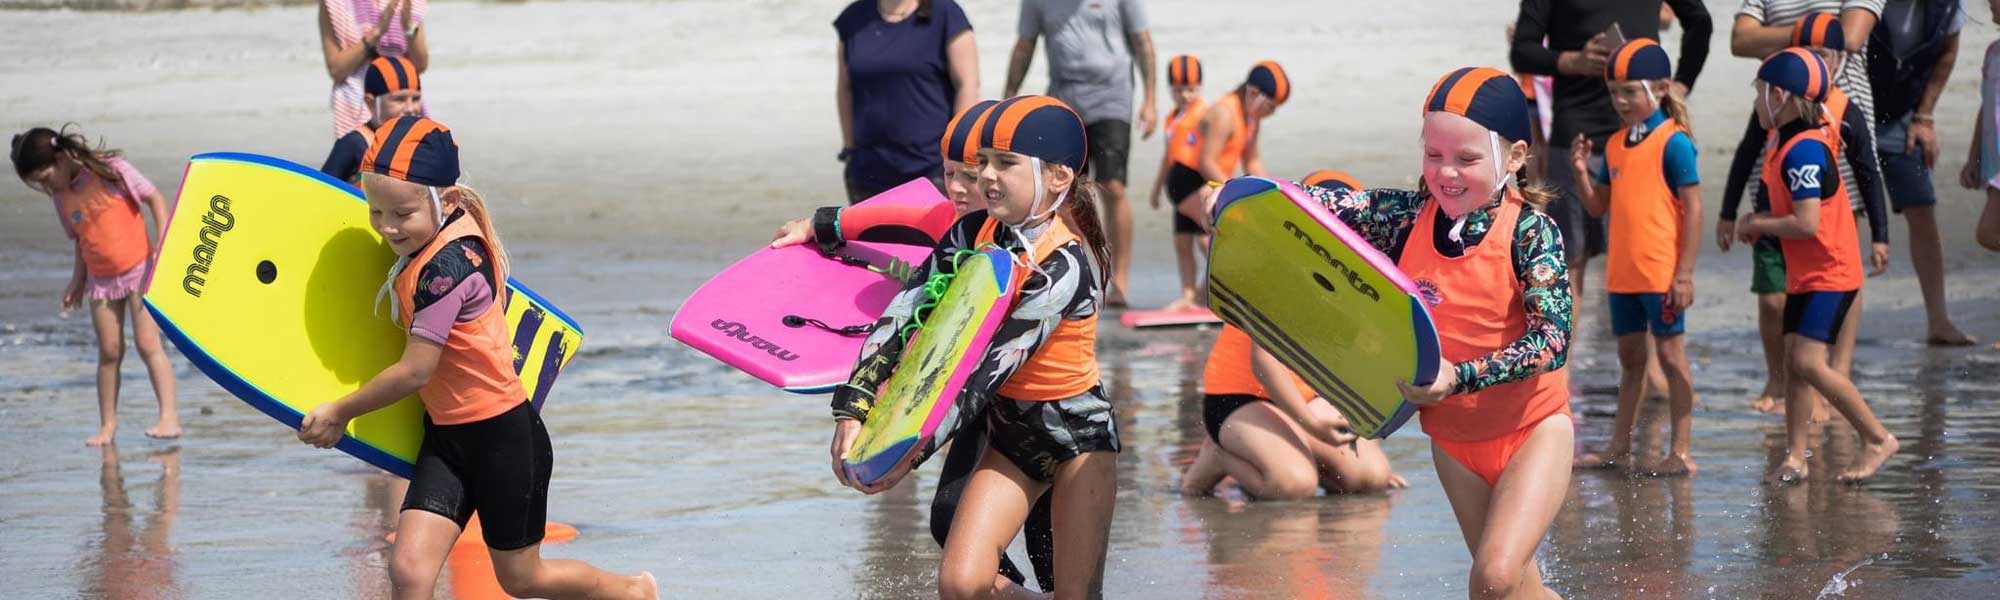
<point x="1037" y="223"/>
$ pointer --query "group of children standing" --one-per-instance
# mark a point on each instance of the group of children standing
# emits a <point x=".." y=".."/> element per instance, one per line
<point x="1041" y="450"/>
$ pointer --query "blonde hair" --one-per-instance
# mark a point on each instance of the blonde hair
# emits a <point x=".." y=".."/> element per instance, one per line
<point x="1676" y="109"/>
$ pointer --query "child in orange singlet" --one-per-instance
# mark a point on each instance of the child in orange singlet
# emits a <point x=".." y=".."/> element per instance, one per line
<point x="1650" y="185"/>
<point x="1050" y="429"/>
<point x="485" y="449"/>
<point x="1180" y="177"/>
<point x="1489" y="263"/>
<point x="1230" y="127"/>
<point x="1815" y="229"/>
<point x="97" y="197"/>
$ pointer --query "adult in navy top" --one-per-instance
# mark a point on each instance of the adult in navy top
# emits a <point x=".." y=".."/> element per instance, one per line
<point x="906" y="66"/>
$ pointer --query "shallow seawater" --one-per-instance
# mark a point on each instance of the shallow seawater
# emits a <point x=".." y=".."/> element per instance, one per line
<point x="669" y="461"/>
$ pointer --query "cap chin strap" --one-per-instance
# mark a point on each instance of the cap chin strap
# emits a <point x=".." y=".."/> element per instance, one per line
<point x="1771" y="105"/>
<point x="1036" y="224"/>
<point x="1499" y="171"/>
<point x="437" y="206"/>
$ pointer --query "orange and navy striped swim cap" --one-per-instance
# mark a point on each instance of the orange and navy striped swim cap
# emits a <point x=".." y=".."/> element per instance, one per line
<point x="1638" y="60"/>
<point x="1270" y="79"/>
<point x="1183" y="70"/>
<point x="390" y="74"/>
<point x="1486" y="95"/>
<point x="1797" y="71"/>
<point x="1038" y="126"/>
<point x="413" y="149"/>
<point x="1819" y="30"/>
<point x="1332" y="180"/>
<point x="961" y="135"/>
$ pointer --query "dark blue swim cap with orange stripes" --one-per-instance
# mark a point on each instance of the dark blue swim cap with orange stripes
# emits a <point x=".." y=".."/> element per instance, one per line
<point x="1638" y="60"/>
<point x="1037" y="126"/>
<point x="1797" y="71"/>
<point x="1270" y="79"/>
<point x="1488" y="96"/>
<point x="1819" y="30"/>
<point x="390" y="74"/>
<point x="961" y="135"/>
<point x="1183" y="70"/>
<point x="414" y="149"/>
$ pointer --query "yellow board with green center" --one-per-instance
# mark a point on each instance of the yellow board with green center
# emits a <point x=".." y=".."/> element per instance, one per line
<point x="267" y="279"/>
<point x="919" y="407"/>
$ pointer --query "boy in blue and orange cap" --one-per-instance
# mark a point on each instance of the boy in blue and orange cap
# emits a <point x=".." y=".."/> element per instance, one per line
<point x="1823" y="278"/>
<point x="391" y="87"/>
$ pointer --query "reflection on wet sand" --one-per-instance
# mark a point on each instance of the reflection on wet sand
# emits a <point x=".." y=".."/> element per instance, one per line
<point x="135" y="560"/>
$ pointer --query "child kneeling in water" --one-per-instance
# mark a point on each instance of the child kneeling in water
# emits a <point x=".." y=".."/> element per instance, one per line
<point x="485" y="449"/>
<point x="1048" y="421"/>
<point x="1490" y="266"/>
<point x="1265" y="431"/>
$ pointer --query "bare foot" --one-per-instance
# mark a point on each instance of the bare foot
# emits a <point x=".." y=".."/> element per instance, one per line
<point x="1768" y="404"/>
<point x="1787" y="473"/>
<point x="1397" y="482"/>
<point x="1821" y="412"/>
<point x="105" y="435"/>
<point x="1674" y="465"/>
<point x="1949" y="335"/>
<point x="1872" y="457"/>
<point x="647" y="586"/>
<point x="166" y="429"/>
<point x="1183" y="303"/>
<point x="1611" y="460"/>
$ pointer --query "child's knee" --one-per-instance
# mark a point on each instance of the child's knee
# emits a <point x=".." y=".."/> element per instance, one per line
<point x="410" y="572"/>
<point x="519" y="583"/>
<point x="1989" y="237"/>
<point x="1290" y="482"/>
<point x="956" y="579"/>
<point x="111" y="354"/>
<point x="1490" y="580"/>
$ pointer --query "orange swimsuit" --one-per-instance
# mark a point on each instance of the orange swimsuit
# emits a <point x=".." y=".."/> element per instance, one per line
<point x="1476" y="314"/>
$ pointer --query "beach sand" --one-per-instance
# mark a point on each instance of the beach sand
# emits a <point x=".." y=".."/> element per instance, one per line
<point x="630" y="150"/>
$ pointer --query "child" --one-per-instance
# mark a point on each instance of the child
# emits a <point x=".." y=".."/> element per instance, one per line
<point x="1822" y="267"/>
<point x="1822" y="34"/>
<point x="390" y="86"/>
<point x="1652" y="189"/>
<point x="485" y="449"/>
<point x="1178" y="175"/>
<point x="1048" y="420"/>
<point x="1490" y="265"/>
<point x="1229" y="128"/>
<point x="832" y="227"/>
<point x="1982" y="162"/>
<point x="1265" y="431"/>
<point x="97" y="198"/>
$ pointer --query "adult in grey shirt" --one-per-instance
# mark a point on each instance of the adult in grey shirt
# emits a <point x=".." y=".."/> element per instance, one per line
<point x="1092" y="44"/>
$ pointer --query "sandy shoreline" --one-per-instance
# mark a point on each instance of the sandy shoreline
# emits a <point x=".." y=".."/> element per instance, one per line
<point x="631" y="149"/>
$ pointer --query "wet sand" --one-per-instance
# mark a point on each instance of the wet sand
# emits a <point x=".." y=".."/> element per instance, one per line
<point x="639" y="147"/>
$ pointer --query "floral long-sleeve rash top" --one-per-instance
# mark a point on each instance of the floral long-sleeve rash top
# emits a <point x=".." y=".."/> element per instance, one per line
<point x="1066" y="286"/>
<point x="1385" y="217"/>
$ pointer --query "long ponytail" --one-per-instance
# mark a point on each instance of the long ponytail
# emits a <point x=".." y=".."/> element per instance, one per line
<point x="1081" y="216"/>
<point x="38" y="148"/>
<point x="1677" y="109"/>
<point x="474" y="206"/>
